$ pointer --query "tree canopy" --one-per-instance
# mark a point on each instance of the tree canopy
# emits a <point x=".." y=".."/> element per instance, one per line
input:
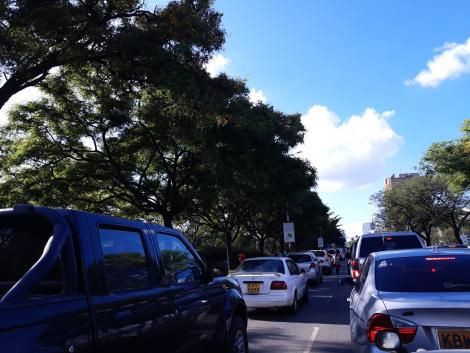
<point x="452" y="159"/>
<point x="131" y="124"/>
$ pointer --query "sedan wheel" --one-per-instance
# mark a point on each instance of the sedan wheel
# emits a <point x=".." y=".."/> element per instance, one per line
<point x="293" y="307"/>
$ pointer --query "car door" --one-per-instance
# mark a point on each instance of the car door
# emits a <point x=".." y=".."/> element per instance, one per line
<point x="131" y="312"/>
<point x="298" y="279"/>
<point x="357" y="303"/>
<point x="50" y="312"/>
<point x="197" y="305"/>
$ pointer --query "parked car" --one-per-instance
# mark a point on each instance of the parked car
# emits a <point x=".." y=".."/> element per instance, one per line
<point x="308" y="263"/>
<point x="411" y="300"/>
<point x="73" y="281"/>
<point x="325" y="260"/>
<point x="271" y="282"/>
<point x="369" y="243"/>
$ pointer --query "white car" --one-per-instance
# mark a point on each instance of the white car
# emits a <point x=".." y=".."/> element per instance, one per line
<point x="271" y="282"/>
<point x="309" y="265"/>
<point x="325" y="261"/>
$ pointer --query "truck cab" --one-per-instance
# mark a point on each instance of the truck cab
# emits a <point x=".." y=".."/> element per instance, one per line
<point x="73" y="281"/>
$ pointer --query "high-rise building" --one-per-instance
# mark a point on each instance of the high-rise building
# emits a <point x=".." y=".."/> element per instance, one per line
<point x="368" y="227"/>
<point x="394" y="180"/>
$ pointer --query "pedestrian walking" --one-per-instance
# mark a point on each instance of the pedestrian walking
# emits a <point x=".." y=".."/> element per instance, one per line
<point x="337" y="262"/>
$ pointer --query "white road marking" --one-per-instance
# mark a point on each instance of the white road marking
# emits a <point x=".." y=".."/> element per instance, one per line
<point x="309" y="347"/>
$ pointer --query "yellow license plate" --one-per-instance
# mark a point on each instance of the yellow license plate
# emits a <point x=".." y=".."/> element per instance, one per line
<point x="253" y="288"/>
<point x="454" y="339"/>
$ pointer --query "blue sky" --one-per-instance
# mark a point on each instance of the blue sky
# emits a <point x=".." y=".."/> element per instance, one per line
<point x="348" y="67"/>
<point x="345" y="57"/>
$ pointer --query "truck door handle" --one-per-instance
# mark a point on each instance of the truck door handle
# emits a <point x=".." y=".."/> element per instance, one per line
<point x="122" y="315"/>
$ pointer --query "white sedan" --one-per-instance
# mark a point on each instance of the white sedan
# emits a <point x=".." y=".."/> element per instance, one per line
<point x="271" y="282"/>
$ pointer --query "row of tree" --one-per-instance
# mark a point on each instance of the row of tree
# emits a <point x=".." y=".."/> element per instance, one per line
<point x="438" y="199"/>
<point x="130" y="123"/>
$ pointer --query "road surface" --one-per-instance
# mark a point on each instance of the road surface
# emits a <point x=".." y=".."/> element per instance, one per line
<point x="320" y="326"/>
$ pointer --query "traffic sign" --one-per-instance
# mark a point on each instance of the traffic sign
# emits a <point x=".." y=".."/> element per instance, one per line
<point x="320" y="242"/>
<point x="289" y="234"/>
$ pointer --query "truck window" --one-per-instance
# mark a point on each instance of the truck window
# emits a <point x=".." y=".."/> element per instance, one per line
<point x="125" y="259"/>
<point x="22" y="242"/>
<point x="179" y="263"/>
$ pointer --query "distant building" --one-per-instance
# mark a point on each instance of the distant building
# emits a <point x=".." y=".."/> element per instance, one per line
<point x="394" y="180"/>
<point x="368" y="228"/>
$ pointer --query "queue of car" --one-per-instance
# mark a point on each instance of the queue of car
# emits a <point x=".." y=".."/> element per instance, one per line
<point x="281" y="282"/>
<point x="407" y="297"/>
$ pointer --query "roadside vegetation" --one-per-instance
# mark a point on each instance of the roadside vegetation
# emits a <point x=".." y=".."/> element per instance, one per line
<point x="130" y="123"/>
<point x="437" y="203"/>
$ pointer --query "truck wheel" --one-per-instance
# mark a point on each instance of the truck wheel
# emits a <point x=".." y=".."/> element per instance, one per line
<point x="237" y="341"/>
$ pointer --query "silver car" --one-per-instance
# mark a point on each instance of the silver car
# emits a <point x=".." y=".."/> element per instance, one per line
<point x="411" y="301"/>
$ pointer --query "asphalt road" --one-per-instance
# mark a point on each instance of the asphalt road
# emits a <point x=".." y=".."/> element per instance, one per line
<point x="320" y="326"/>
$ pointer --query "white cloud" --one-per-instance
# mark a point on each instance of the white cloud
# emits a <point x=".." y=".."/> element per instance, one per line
<point x="217" y="64"/>
<point x="452" y="61"/>
<point x="26" y="95"/>
<point x="348" y="154"/>
<point x="256" y="96"/>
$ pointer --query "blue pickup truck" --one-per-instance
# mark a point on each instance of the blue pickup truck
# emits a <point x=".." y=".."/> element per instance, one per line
<point x="75" y="282"/>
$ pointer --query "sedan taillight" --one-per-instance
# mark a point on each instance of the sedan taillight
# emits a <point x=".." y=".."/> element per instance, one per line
<point x="381" y="323"/>
<point x="278" y="285"/>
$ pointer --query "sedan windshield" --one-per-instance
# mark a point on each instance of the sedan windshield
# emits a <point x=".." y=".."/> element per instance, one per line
<point x="319" y="253"/>
<point x="262" y="266"/>
<point x="436" y="273"/>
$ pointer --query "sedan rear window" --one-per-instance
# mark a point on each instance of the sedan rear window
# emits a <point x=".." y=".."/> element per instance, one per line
<point x="370" y="245"/>
<point x="433" y="273"/>
<point x="262" y="266"/>
<point x="300" y="258"/>
<point x="319" y="253"/>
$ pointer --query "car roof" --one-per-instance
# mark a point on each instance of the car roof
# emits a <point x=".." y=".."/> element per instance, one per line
<point x="434" y="251"/>
<point x="300" y="253"/>
<point x="387" y="234"/>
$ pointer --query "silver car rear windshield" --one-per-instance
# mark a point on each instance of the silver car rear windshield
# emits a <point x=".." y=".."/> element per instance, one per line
<point x="262" y="266"/>
<point x="436" y="273"/>
<point x="319" y="253"/>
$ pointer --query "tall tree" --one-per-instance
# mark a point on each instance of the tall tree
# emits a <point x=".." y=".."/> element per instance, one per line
<point x="141" y="46"/>
<point x="452" y="159"/>
<point x="421" y="203"/>
<point x="96" y="143"/>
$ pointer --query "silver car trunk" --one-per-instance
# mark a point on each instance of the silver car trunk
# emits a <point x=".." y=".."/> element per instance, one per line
<point x="433" y="309"/>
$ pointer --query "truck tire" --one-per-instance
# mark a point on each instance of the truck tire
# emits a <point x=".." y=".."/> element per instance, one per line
<point x="237" y="340"/>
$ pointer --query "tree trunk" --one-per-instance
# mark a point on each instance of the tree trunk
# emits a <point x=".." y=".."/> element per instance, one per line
<point x="456" y="231"/>
<point x="427" y="233"/>
<point x="228" y="245"/>
<point x="167" y="219"/>
<point x="261" y="245"/>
